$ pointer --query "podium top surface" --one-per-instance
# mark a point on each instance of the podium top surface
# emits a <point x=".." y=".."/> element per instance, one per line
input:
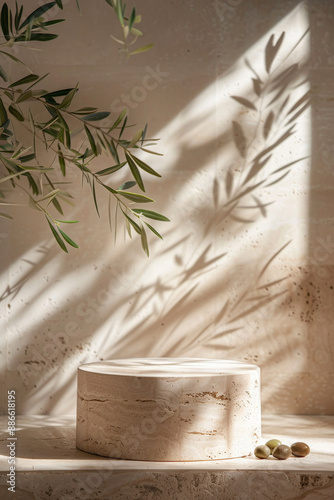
<point x="169" y="367"/>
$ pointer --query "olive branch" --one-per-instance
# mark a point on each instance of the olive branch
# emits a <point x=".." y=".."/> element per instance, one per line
<point x="20" y="163"/>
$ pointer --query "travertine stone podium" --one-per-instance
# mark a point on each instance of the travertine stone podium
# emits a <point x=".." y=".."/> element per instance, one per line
<point x="168" y="409"/>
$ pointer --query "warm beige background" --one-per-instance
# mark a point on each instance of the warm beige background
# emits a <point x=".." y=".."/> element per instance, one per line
<point x="206" y="291"/>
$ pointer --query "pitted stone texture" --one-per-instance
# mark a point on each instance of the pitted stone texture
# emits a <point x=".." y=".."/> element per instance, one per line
<point x="167" y="409"/>
<point x="172" y="485"/>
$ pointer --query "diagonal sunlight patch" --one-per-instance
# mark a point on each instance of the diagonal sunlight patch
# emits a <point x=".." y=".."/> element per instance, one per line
<point x="236" y="185"/>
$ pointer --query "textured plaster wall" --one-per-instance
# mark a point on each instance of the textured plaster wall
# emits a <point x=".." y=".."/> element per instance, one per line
<point x="246" y="268"/>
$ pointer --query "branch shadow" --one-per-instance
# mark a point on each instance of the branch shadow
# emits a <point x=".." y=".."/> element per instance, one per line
<point x="189" y="274"/>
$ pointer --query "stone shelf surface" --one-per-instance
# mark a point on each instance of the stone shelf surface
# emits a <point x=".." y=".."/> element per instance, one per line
<point x="49" y="466"/>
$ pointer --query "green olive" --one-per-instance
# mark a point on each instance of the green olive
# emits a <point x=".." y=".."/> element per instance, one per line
<point x="300" y="449"/>
<point x="272" y="443"/>
<point x="282" y="452"/>
<point x="262" y="451"/>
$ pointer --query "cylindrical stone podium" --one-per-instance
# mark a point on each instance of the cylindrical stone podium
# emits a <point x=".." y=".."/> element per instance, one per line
<point x="168" y="409"/>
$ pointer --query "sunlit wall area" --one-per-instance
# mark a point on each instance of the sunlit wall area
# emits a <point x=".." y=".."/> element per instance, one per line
<point x="233" y="90"/>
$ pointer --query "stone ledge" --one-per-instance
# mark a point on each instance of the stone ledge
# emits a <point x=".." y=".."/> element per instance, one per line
<point x="49" y="466"/>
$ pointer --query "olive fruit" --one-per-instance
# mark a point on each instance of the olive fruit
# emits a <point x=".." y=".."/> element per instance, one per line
<point x="300" y="449"/>
<point x="272" y="443"/>
<point x="282" y="452"/>
<point x="262" y="451"/>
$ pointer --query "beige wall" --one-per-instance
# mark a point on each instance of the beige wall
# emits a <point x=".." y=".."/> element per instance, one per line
<point x="243" y="273"/>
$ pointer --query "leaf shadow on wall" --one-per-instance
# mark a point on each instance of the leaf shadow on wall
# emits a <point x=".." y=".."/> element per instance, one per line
<point x="236" y="199"/>
<point x="155" y="316"/>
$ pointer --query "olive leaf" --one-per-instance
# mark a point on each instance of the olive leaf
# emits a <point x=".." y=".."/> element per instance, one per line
<point x="135" y="138"/>
<point x="61" y="161"/>
<point x="135" y="172"/>
<point x="23" y="81"/>
<point x="127" y="185"/>
<point x="3" y="74"/>
<point x="91" y="140"/>
<point x="3" y="114"/>
<point x="134" y="224"/>
<point x="144" y="241"/>
<point x="138" y="198"/>
<point x="111" y="170"/>
<point x="57" y="237"/>
<point x="36" y="37"/>
<point x="144" y="166"/>
<point x="145" y="48"/>
<point x="37" y="13"/>
<point x="150" y="214"/>
<point x="154" y="231"/>
<point x="5" y="16"/>
<point x="118" y="120"/>
<point x="93" y="117"/>
<point x="16" y="113"/>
